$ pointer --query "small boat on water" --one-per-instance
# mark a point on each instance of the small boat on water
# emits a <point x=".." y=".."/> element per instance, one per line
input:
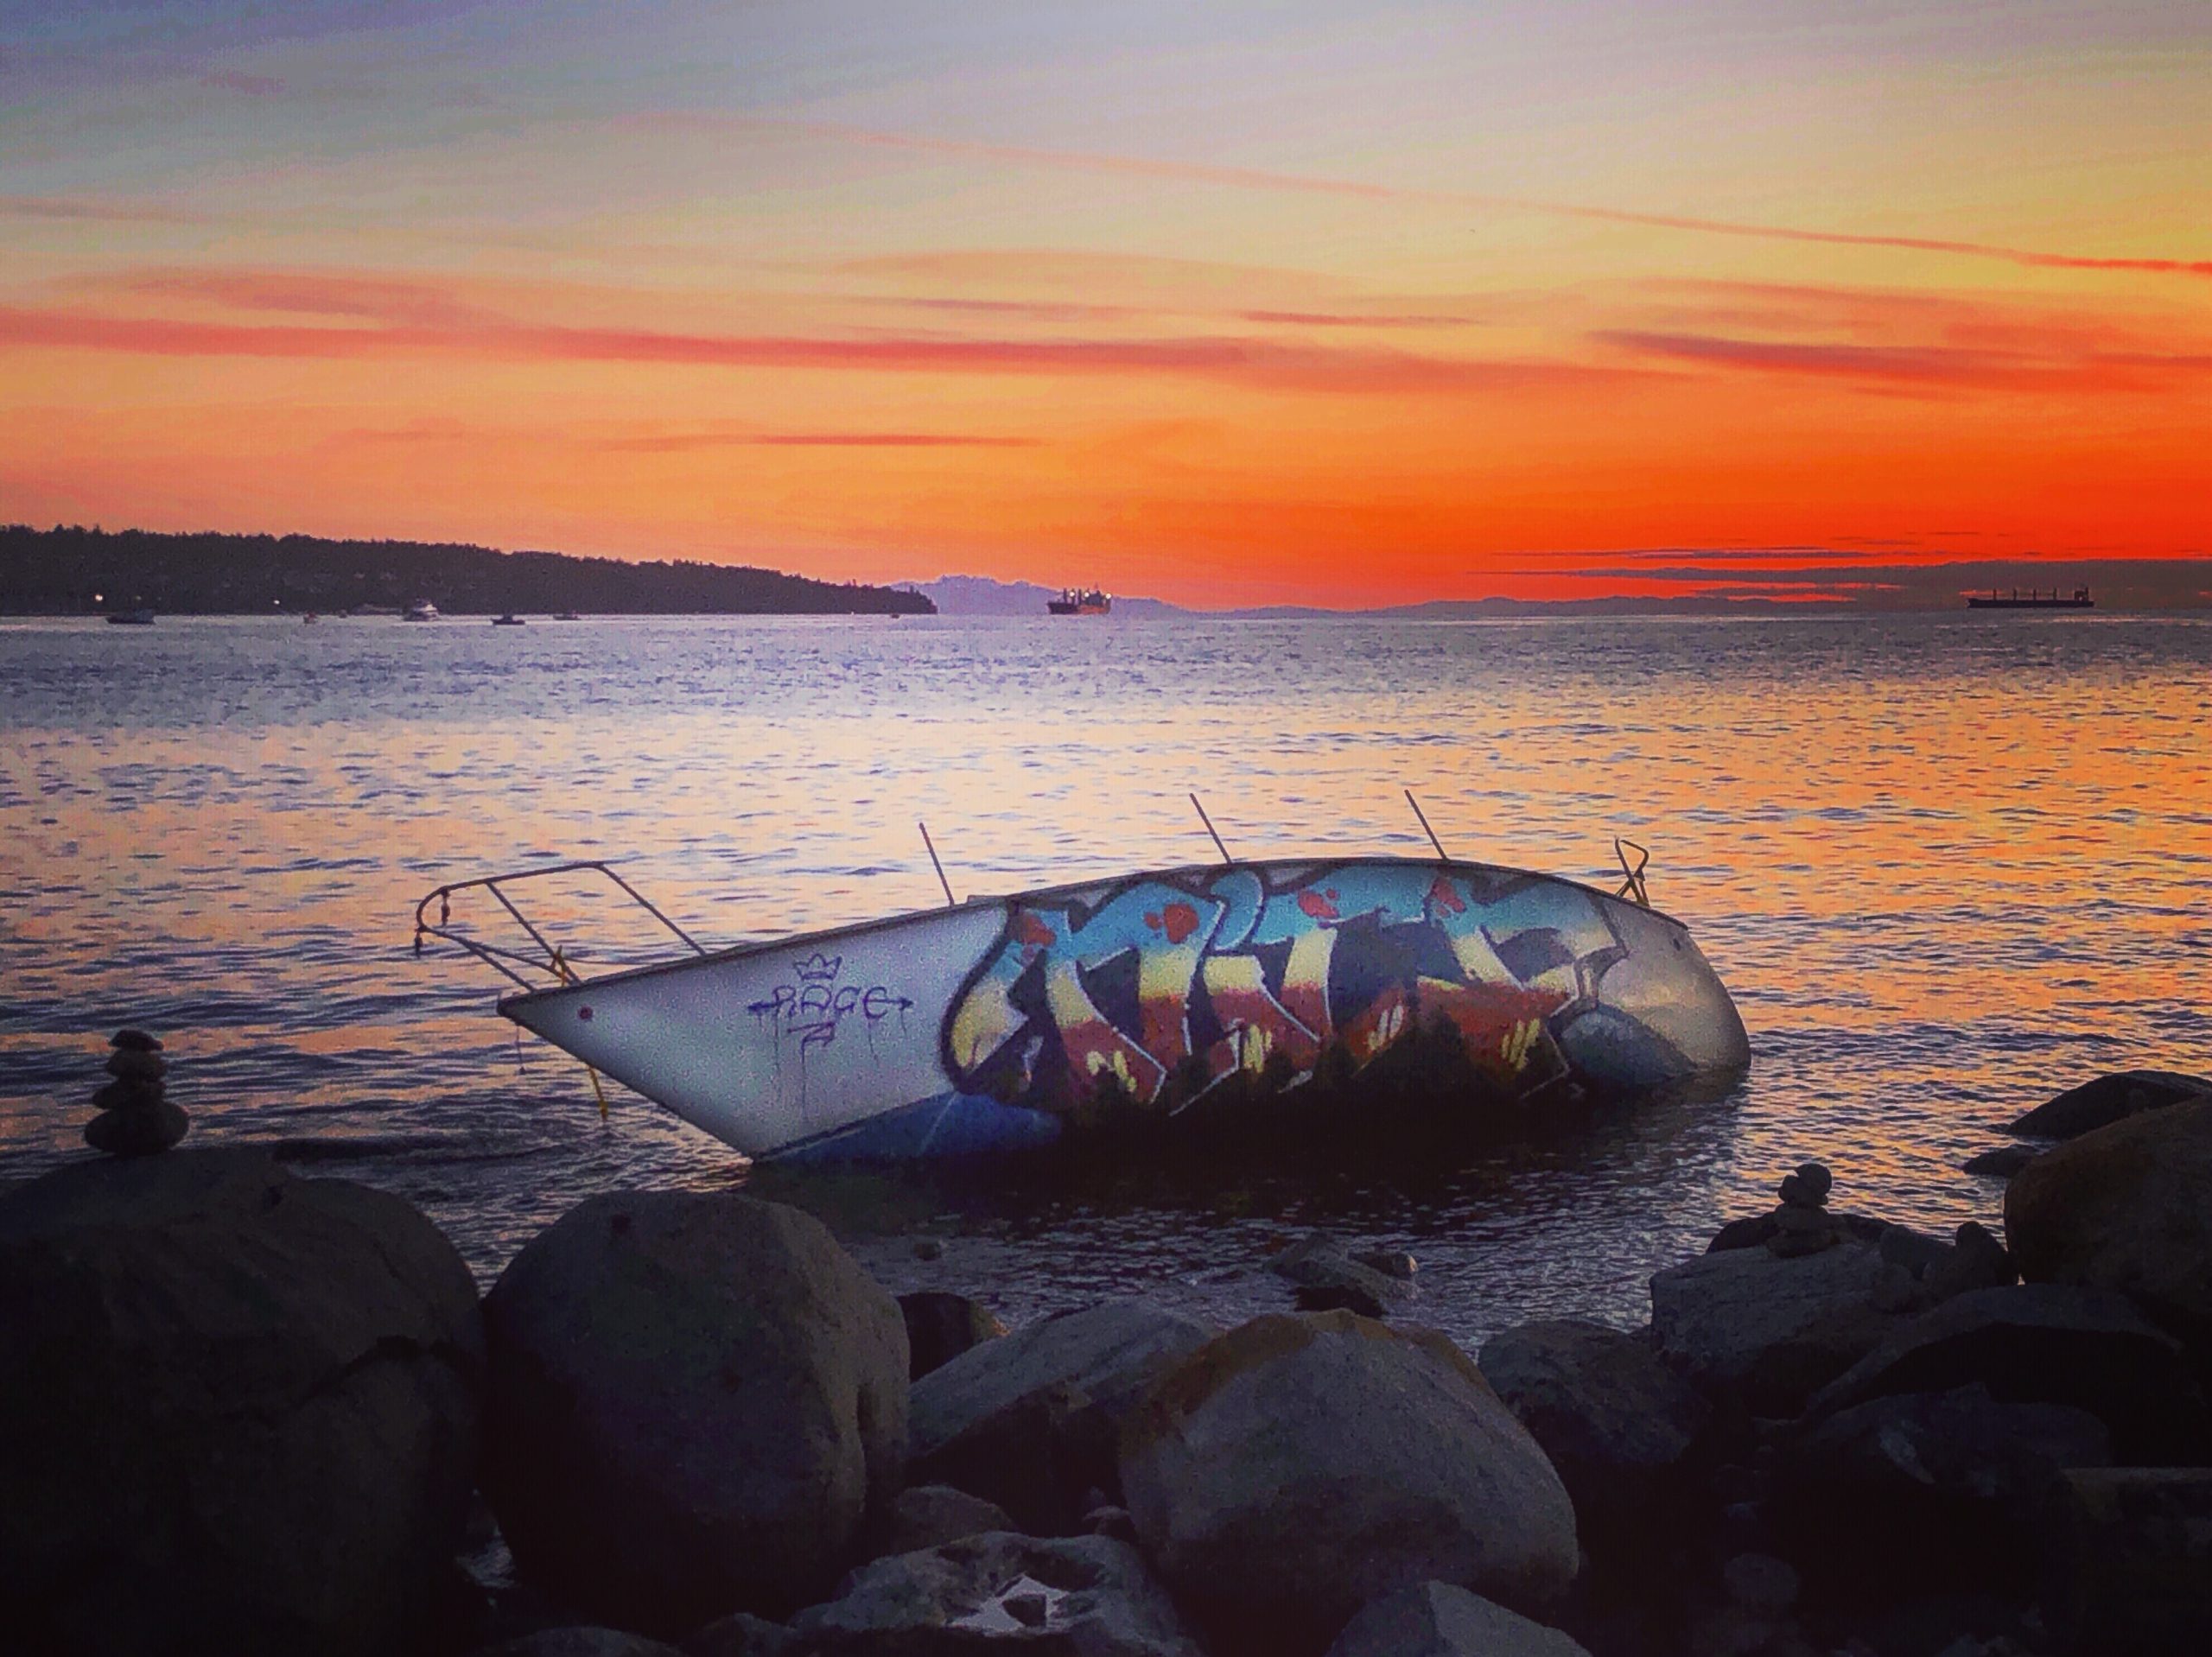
<point x="567" y="615"/>
<point x="1081" y="601"/>
<point x="421" y="610"/>
<point x="1002" y="1024"/>
<point x="508" y="619"/>
<point x="2034" y="599"/>
<point x="137" y="617"/>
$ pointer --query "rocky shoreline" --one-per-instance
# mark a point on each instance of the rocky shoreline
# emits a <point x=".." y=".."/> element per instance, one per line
<point x="245" y="1412"/>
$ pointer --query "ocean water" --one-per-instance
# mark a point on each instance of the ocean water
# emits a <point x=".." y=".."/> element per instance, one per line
<point x="1948" y="865"/>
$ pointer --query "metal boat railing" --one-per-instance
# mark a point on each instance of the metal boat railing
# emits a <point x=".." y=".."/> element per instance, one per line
<point x="551" y="959"/>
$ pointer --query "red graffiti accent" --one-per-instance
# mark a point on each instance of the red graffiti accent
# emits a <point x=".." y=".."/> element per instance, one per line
<point x="1181" y="920"/>
<point x="1487" y="1015"/>
<point x="1443" y="896"/>
<point x="1030" y="929"/>
<point x="1317" y="904"/>
<point x="1152" y="919"/>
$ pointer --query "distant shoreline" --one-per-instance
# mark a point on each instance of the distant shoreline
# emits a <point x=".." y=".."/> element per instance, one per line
<point x="75" y="571"/>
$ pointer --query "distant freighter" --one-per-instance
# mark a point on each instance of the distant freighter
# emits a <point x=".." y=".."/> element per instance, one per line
<point x="1075" y="602"/>
<point x="2034" y="600"/>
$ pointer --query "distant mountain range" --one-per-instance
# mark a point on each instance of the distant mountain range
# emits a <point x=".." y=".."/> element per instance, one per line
<point x="979" y="595"/>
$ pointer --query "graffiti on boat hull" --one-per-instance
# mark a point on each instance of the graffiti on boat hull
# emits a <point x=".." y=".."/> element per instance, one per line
<point x="1162" y="988"/>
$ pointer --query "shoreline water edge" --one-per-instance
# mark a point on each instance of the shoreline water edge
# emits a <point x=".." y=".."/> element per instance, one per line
<point x="248" y="1411"/>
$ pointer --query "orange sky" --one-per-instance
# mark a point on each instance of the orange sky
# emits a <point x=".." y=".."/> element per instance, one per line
<point x="1271" y="305"/>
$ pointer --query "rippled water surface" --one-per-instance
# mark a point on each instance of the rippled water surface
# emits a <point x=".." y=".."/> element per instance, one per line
<point x="1948" y="865"/>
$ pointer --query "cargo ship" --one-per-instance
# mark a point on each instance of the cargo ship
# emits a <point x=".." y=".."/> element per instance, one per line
<point x="2033" y="600"/>
<point x="1078" y="601"/>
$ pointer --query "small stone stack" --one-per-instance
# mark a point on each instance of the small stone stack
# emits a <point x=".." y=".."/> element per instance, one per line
<point x="136" y="1118"/>
<point x="1802" y="1222"/>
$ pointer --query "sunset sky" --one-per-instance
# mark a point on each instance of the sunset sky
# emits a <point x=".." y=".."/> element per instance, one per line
<point x="1228" y="303"/>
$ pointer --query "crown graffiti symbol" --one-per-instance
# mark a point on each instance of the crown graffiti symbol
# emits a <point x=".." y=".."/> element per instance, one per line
<point x="819" y="969"/>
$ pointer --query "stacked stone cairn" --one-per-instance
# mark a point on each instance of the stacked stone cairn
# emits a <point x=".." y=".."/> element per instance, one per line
<point x="1802" y="1222"/>
<point x="136" y="1117"/>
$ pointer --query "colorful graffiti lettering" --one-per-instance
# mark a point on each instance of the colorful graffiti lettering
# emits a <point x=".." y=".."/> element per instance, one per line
<point x="813" y="1004"/>
<point x="1164" y="988"/>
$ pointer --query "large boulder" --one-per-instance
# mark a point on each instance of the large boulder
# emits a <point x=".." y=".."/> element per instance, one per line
<point x="2105" y="1100"/>
<point x="238" y="1411"/>
<point x="1616" y="1421"/>
<point x="2133" y="1564"/>
<point x="1927" y="1491"/>
<point x="940" y="1326"/>
<point x="928" y="1515"/>
<point x="1074" y="1596"/>
<point x="1767" y="1331"/>
<point x="695" y="1399"/>
<point x="2044" y="1343"/>
<point x="2129" y="1208"/>
<point x="1435" y="1619"/>
<point x="1291" y="1470"/>
<point x="1029" y="1420"/>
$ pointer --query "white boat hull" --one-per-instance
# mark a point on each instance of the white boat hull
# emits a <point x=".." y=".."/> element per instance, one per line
<point x="993" y="1025"/>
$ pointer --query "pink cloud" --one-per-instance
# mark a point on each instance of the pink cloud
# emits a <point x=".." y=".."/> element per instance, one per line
<point x="231" y="80"/>
<point x="1263" y="363"/>
<point x="1260" y="178"/>
<point x="1934" y="367"/>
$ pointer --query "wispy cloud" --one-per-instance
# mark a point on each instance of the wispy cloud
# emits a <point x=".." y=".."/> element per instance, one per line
<point x="1262" y="179"/>
<point x="98" y="209"/>
<point x="676" y="443"/>
<point x="1254" y="362"/>
<point x="1932" y="368"/>
<point x="231" y="80"/>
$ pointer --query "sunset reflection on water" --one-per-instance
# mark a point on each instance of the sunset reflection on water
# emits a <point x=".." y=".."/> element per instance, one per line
<point x="1948" y="865"/>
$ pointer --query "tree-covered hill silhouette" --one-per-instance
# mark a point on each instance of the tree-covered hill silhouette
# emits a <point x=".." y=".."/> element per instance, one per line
<point x="71" y="570"/>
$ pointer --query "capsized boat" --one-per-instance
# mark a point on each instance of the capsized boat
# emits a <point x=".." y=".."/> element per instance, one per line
<point x="1000" y="1024"/>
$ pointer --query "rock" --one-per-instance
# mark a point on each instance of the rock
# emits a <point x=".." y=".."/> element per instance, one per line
<point x="1617" y="1423"/>
<point x="1760" y="1583"/>
<point x="929" y="1515"/>
<point x="1111" y="1521"/>
<point x="1340" y="1297"/>
<point x="1797" y="1192"/>
<point x="125" y="1095"/>
<point x="2042" y="1343"/>
<point x="1767" y="1331"/>
<point x="138" y="1130"/>
<point x="928" y="1248"/>
<point x="742" y="1634"/>
<point x="2134" y="1568"/>
<point x="2125" y="1208"/>
<point x="1080" y="1595"/>
<point x="940" y="1326"/>
<point x="1435" y="1619"/>
<point x="1391" y="1262"/>
<point x="1291" y="1470"/>
<point x="237" y="1410"/>
<point x="130" y="1064"/>
<point x="2002" y="1163"/>
<point x="1975" y="1260"/>
<point x="1326" y="1278"/>
<point x="136" y="1041"/>
<point x="1928" y="1490"/>
<point x="1752" y="1231"/>
<point x="1910" y="1251"/>
<point x="2106" y="1101"/>
<point x="1801" y="1230"/>
<point x="1029" y="1420"/>
<point x="695" y="1397"/>
<point x="581" y="1642"/>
